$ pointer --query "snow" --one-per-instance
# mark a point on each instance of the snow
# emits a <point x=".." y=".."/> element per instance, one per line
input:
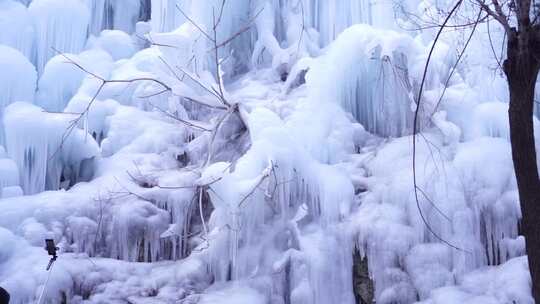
<point x="507" y="283"/>
<point x="161" y="185"/>
<point x="115" y="42"/>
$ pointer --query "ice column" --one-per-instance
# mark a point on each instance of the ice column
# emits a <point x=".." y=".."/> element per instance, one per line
<point x="61" y="25"/>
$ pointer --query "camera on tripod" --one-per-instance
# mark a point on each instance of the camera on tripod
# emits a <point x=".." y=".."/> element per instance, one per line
<point x="52" y="250"/>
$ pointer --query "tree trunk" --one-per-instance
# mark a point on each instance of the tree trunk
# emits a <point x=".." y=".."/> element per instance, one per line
<point x="521" y="68"/>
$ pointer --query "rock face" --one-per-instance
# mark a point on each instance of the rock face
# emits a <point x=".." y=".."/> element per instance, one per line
<point x="362" y="283"/>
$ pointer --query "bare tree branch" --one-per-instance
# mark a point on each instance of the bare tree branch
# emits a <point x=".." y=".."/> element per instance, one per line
<point x="415" y="130"/>
<point x="497" y="14"/>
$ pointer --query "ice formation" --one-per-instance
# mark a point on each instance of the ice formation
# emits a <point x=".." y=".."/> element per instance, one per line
<point x="166" y="16"/>
<point x="49" y="152"/>
<point x="18" y="81"/>
<point x="272" y="173"/>
<point x="372" y="80"/>
<point x="17" y="27"/>
<point x="61" y="26"/>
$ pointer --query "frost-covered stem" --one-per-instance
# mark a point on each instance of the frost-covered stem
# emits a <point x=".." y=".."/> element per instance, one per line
<point x="202" y="85"/>
<point x="185" y="122"/>
<point x="265" y="174"/>
<point x="205" y="229"/>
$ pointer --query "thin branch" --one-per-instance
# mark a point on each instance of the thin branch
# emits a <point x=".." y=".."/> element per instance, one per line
<point x="220" y="14"/>
<point x="454" y="67"/>
<point x="199" y="83"/>
<point x="77" y="64"/>
<point x="248" y="25"/>
<point x="183" y="121"/>
<point x="415" y="129"/>
<point x="216" y="56"/>
<point x="202" y="216"/>
<point x="266" y="173"/>
<point x="492" y="47"/>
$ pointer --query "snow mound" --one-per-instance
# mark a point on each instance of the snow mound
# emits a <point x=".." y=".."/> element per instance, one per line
<point x="117" y="43"/>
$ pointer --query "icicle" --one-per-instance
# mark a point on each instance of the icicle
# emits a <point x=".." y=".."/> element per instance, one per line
<point x="101" y="16"/>
<point x="43" y="150"/>
<point x="17" y="81"/>
<point x="60" y="25"/>
<point x="366" y="70"/>
<point x="9" y="175"/>
<point x="272" y="185"/>
<point x="17" y="27"/>
<point x="126" y="14"/>
<point x="166" y="16"/>
<point x="135" y="231"/>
